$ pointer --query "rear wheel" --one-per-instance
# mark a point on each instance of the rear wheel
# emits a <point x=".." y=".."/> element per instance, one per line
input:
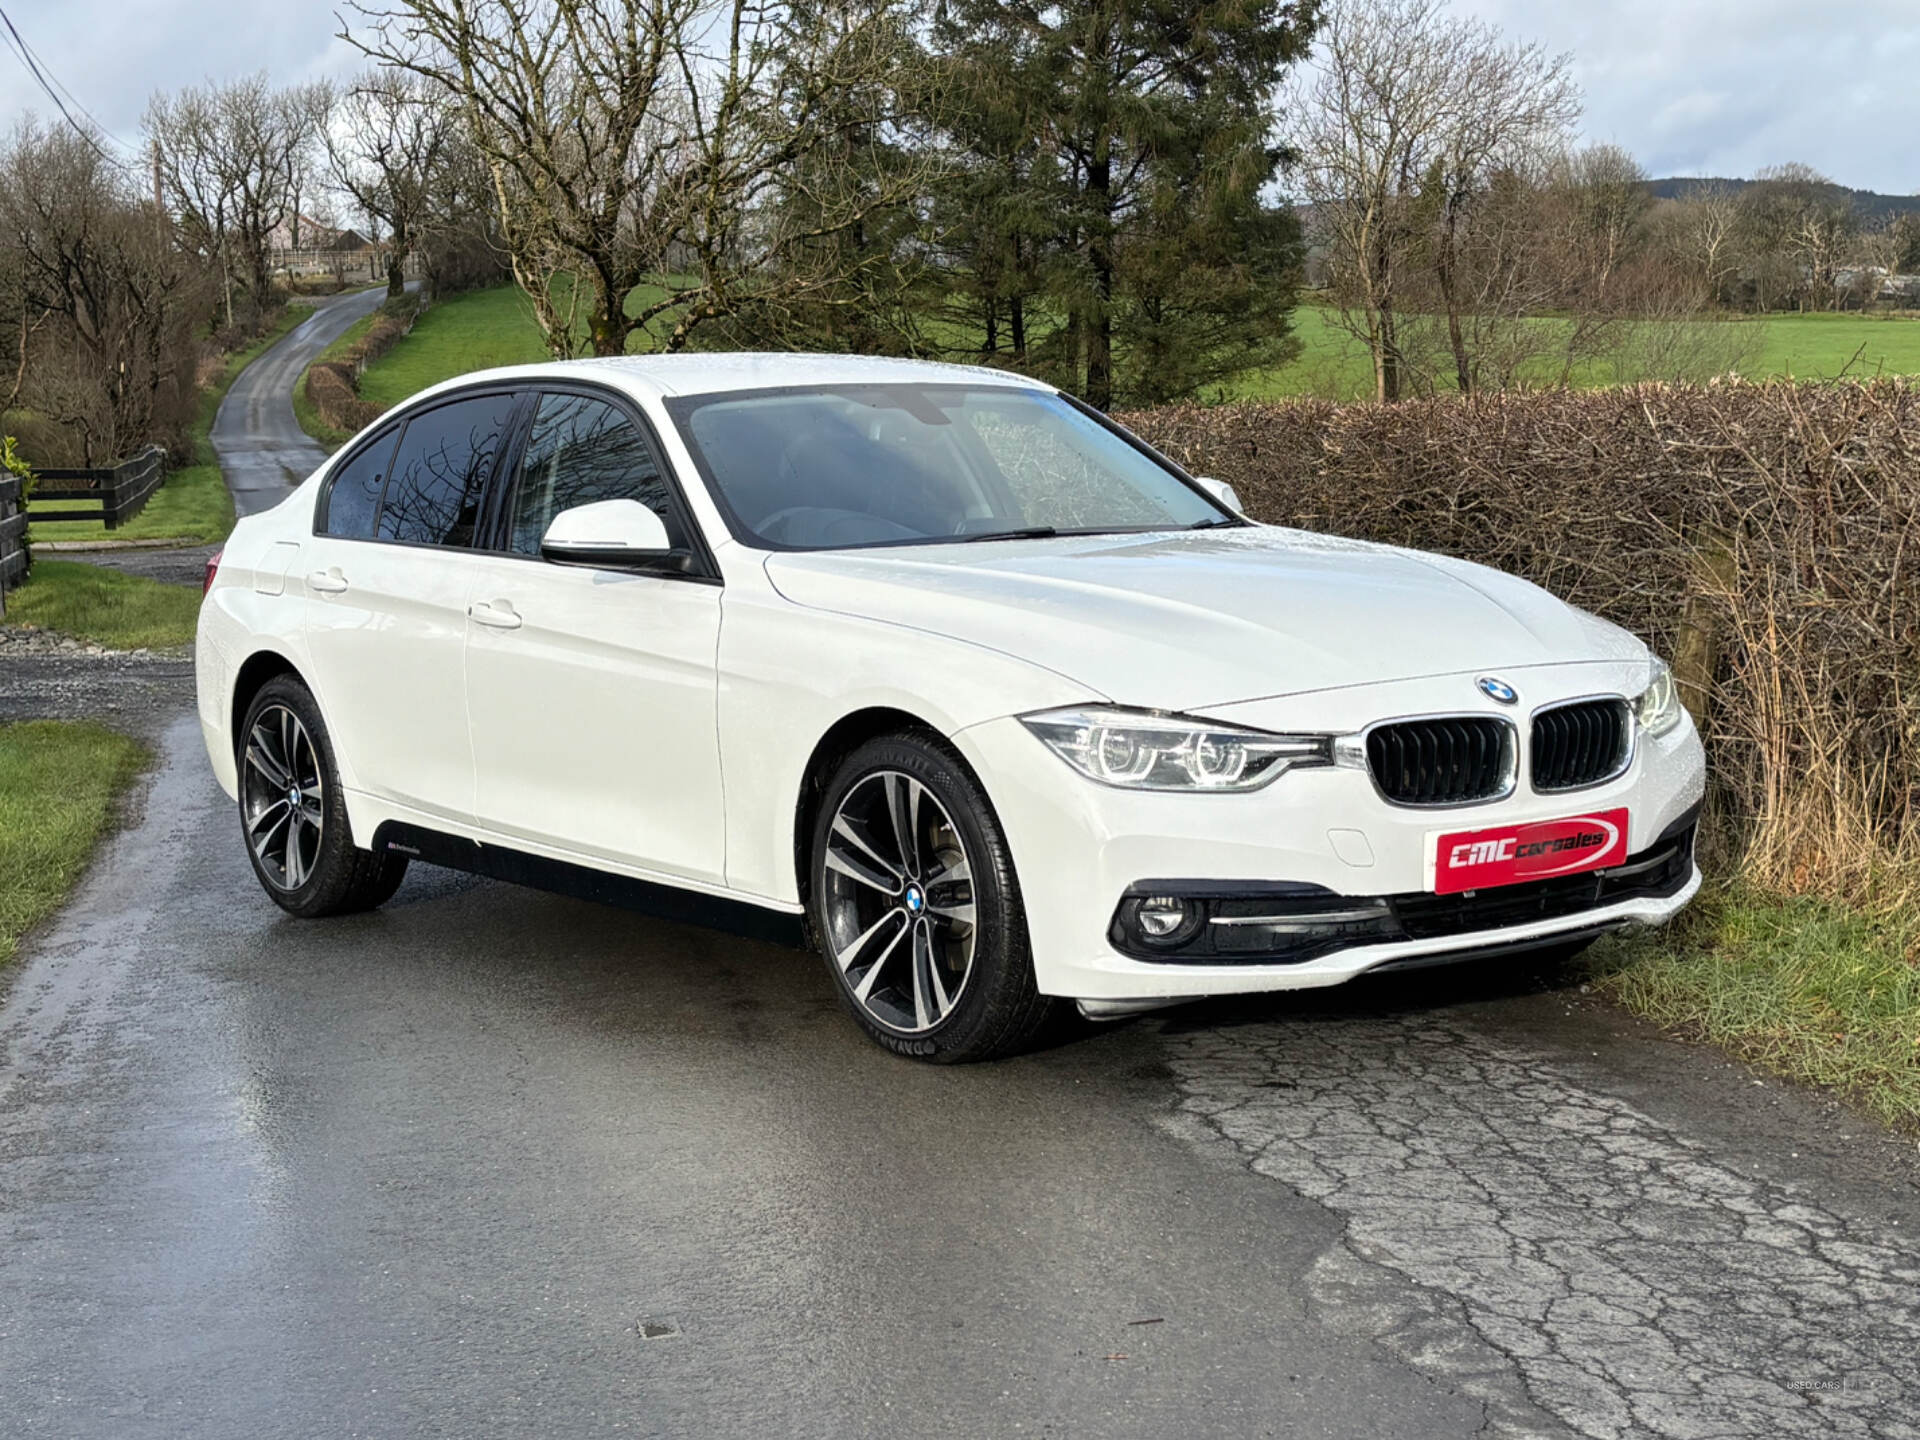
<point x="293" y="813"/>
<point x="917" y="907"/>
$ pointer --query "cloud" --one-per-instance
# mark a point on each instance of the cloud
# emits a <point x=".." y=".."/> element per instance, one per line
<point x="113" y="54"/>
<point x="1689" y="86"/>
<point x="1723" y="87"/>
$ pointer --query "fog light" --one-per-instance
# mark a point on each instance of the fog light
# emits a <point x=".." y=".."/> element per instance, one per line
<point x="1165" y="920"/>
<point x="1162" y="915"/>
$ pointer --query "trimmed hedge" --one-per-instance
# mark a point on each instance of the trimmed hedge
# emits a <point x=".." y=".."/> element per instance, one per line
<point x="333" y="386"/>
<point x="1764" y="536"/>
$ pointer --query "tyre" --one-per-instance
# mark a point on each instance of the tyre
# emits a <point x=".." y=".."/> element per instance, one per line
<point x="293" y="811"/>
<point x="917" y="908"/>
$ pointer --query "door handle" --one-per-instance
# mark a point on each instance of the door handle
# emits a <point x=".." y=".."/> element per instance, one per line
<point x="498" y="614"/>
<point x="327" y="582"/>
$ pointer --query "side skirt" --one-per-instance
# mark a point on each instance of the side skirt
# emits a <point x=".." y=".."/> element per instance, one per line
<point x="661" y="902"/>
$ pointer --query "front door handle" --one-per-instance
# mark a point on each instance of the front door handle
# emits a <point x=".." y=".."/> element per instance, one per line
<point x="327" y="582"/>
<point x="499" y="614"/>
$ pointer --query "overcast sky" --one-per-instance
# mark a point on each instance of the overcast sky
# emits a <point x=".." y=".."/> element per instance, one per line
<point x="1691" y="87"/>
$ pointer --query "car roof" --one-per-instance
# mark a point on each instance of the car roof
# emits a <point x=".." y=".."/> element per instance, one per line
<point x="699" y="374"/>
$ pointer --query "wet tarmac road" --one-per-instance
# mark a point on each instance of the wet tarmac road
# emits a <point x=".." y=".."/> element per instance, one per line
<point x="441" y="1169"/>
<point x="492" y="1163"/>
<point x="263" y="451"/>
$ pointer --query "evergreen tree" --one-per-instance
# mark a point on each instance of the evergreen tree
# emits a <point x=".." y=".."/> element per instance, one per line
<point x="1109" y="207"/>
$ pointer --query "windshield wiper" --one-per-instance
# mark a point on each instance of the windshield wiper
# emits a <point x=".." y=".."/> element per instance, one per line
<point x="1215" y="523"/>
<point x="1032" y="532"/>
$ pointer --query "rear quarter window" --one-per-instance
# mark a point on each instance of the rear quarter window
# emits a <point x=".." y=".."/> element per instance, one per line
<point x="353" y="495"/>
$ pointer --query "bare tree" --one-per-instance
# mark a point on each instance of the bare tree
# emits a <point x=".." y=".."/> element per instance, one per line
<point x="641" y="142"/>
<point x="1701" y="231"/>
<point x="385" y="145"/>
<point x="1799" y="225"/>
<point x="1513" y="102"/>
<point x="1400" y="126"/>
<point x="1882" y="253"/>
<point x="101" y="306"/>
<point x="230" y="160"/>
<point x="1606" y="204"/>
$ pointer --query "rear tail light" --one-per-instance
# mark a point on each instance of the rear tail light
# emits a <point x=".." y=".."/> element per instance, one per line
<point x="213" y="569"/>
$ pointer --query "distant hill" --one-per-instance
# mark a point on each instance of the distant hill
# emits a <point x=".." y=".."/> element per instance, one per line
<point x="1870" y="203"/>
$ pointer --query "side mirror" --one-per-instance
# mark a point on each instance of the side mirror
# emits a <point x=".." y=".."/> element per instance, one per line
<point x="613" y="535"/>
<point x="1221" y="491"/>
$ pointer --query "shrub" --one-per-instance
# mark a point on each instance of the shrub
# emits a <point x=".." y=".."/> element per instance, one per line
<point x="333" y="386"/>
<point x="330" y="389"/>
<point x="1766" y="537"/>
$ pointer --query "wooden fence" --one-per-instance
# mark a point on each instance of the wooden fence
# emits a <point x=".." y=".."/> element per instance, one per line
<point x="114" y="495"/>
<point x="13" y="532"/>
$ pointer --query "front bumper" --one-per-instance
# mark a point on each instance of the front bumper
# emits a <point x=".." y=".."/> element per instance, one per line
<point x="1079" y="847"/>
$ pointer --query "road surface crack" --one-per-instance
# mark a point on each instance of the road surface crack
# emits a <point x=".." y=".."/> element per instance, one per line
<point x="1553" y="1251"/>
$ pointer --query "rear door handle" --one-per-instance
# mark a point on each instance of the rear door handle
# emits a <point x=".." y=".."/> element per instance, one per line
<point x="499" y="614"/>
<point x="327" y="582"/>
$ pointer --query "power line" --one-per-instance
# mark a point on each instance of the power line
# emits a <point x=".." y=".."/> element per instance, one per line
<point x="26" y="55"/>
<point x="61" y="85"/>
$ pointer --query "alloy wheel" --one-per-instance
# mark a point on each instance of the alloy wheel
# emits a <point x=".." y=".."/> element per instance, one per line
<point x="899" y="905"/>
<point x="283" y="800"/>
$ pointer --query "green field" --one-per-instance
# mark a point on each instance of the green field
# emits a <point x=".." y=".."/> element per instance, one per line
<point x="1334" y="365"/>
<point x="59" y="783"/>
<point x="193" y="506"/>
<point x="495" y="327"/>
<point x="1821" y="347"/>
<point x="474" y="331"/>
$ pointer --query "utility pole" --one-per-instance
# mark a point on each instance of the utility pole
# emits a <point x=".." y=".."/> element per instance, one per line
<point x="159" y="203"/>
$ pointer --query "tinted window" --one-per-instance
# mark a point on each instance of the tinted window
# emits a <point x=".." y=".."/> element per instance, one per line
<point x="582" y="450"/>
<point x="355" y="492"/>
<point x="440" y="471"/>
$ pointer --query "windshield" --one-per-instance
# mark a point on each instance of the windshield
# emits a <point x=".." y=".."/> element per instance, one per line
<point x="839" y="466"/>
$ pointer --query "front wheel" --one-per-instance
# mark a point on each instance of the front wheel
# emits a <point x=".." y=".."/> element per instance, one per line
<point x="293" y="812"/>
<point x="917" y="907"/>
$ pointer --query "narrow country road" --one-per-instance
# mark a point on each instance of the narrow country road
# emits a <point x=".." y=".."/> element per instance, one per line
<point x="492" y="1163"/>
<point x="263" y="451"/>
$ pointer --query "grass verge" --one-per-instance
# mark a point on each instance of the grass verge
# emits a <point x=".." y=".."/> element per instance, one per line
<point x="89" y="602"/>
<point x="59" y="783"/>
<point x="1803" y="988"/>
<point x="193" y="507"/>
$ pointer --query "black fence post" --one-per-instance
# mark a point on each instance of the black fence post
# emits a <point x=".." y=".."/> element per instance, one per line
<point x="13" y="537"/>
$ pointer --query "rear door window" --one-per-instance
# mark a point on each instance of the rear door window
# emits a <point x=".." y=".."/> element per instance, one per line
<point x="440" y="471"/>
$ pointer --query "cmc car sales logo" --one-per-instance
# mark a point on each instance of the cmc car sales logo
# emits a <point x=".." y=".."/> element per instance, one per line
<point x="1511" y="854"/>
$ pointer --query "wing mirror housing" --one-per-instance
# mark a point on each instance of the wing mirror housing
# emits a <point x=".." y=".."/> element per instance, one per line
<point x="1221" y="491"/>
<point x="613" y="535"/>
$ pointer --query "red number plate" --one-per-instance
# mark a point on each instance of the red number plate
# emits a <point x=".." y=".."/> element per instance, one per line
<point x="1510" y="854"/>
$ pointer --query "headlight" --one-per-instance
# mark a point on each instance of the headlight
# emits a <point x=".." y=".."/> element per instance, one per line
<point x="1137" y="750"/>
<point x="1658" y="706"/>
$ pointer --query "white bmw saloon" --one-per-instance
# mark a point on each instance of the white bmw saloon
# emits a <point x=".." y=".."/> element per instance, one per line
<point x="935" y="669"/>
